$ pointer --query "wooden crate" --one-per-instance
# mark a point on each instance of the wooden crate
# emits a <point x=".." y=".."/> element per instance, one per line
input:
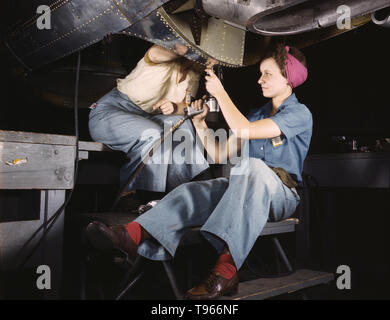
<point x="36" y="161"/>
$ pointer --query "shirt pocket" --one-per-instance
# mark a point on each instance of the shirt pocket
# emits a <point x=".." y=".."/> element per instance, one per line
<point x="275" y="149"/>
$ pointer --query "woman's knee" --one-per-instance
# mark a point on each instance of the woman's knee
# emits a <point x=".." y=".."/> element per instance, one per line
<point x="96" y="130"/>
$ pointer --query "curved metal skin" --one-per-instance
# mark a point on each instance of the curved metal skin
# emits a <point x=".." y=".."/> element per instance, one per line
<point x="240" y="12"/>
<point x="167" y="30"/>
<point x="287" y="17"/>
<point x="155" y="29"/>
<point x="310" y="16"/>
<point x="382" y="18"/>
<point x="215" y="31"/>
<point x="75" y="24"/>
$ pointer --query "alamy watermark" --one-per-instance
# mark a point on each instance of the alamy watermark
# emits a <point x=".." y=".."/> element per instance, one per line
<point x="185" y="147"/>
<point x="44" y="20"/>
<point x="44" y="280"/>
<point x="344" y="280"/>
<point x="344" y="21"/>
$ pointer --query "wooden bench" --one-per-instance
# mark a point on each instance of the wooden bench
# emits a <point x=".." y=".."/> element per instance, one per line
<point x="262" y="288"/>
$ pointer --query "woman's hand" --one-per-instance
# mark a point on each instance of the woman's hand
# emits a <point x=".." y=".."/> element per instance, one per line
<point x="180" y="49"/>
<point x="158" y="54"/>
<point x="213" y="84"/>
<point x="166" y="106"/>
<point x="198" y="105"/>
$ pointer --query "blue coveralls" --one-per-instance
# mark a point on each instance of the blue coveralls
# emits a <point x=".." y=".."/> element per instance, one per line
<point x="234" y="210"/>
<point x="121" y="125"/>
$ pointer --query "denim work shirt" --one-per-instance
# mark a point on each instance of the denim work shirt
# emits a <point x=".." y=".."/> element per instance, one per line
<point x="289" y="150"/>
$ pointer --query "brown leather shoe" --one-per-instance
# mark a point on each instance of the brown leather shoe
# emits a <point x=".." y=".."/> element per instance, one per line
<point x="213" y="287"/>
<point x="103" y="237"/>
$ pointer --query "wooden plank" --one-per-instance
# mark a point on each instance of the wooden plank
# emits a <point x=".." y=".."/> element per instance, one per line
<point x="93" y="146"/>
<point x="57" y="139"/>
<point x="40" y="138"/>
<point x="284" y="226"/>
<point x="83" y="155"/>
<point x="43" y="167"/>
<point x="265" y="288"/>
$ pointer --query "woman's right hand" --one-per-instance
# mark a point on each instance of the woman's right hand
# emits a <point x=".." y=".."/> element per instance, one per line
<point x="180" y="49"/>
<point x="198" y="105"/>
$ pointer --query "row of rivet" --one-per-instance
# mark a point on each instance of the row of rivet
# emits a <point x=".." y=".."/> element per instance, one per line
<point x="73" y="30"/>
<point x="122" y="15"/>
<point x="178" y="37"/>
<point x="33" y="20"/>
<point x="30" y="35"/>
<point x="193" y="48"/>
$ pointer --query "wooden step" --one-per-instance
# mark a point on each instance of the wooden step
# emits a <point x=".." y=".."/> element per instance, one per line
<point x="264" y="288"/>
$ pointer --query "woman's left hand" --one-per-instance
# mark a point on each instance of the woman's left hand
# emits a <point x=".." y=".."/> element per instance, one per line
<point x="213" y="84"/>
<point x="166" y="106"/>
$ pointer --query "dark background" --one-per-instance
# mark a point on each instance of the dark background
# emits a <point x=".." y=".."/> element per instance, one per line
<point x="347" y="92"/>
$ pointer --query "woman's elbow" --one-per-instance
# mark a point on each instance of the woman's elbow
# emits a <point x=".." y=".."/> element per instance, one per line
<point x="153" y="54"/>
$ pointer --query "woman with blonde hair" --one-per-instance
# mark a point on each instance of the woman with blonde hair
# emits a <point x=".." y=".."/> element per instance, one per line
<point x="132" y="117"/>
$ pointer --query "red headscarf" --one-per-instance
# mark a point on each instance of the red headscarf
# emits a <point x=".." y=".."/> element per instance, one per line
<point x="295" y="70"/>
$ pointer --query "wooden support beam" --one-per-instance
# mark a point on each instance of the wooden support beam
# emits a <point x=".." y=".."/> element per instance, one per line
<point x="40" y="138"/>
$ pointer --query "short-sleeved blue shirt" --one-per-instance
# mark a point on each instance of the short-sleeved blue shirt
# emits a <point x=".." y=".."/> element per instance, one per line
<point x="296" y="123"/>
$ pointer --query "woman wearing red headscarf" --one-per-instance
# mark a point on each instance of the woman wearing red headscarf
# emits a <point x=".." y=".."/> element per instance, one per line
<point x="232" y="211"/>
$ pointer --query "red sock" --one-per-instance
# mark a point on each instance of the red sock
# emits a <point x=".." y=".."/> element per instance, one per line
<point x="134" y="230"/>
<point x="225" y="266"/>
